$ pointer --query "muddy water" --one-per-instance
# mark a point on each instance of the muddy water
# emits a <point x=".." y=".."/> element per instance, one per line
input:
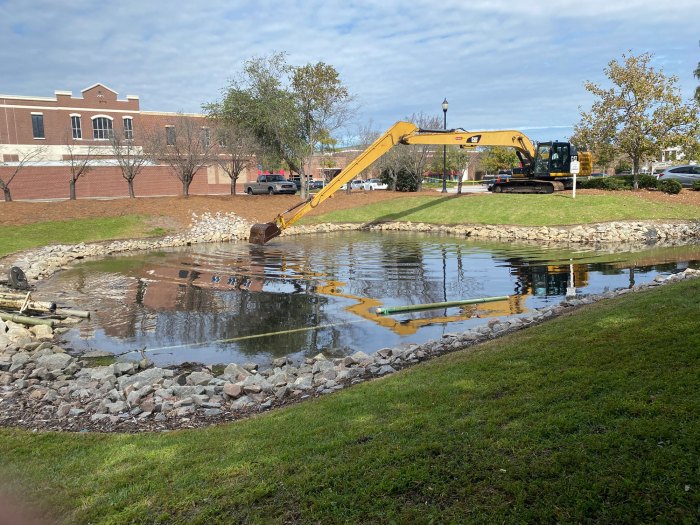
<point x="299" y="296"/>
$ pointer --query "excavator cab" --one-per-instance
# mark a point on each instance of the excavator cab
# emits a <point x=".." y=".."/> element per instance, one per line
<point x="553" y="159"/>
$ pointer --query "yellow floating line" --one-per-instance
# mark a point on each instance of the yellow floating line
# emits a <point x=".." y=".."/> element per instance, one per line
<point x="256" y="336"/>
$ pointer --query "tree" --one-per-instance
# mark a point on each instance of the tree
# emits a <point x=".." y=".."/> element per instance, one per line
<point x="498" y="158"/>
<point x="641" y="114"/>
<point x="416" y="156"/>
<point x="236" y="151"/>
<point x="287" y="109"/>
<point x="131" y="157"/>
<point x="24" y="159"/>
<point x="186" y="149"/>
<point x="411" y="161"/>
<point x="457" y="160"/>
<point x="697" y="89"/>
<point x="79" y="159"/>
<point x="323" y="104"/>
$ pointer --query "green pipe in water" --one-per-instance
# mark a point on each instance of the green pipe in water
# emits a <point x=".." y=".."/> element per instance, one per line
<point x="429" y="306"/>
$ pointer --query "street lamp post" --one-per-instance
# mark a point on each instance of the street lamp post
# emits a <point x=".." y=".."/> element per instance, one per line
<point x="444" y="148"/>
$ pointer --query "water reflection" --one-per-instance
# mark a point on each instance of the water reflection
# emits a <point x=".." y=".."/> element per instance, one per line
<point x="301" y="296"/>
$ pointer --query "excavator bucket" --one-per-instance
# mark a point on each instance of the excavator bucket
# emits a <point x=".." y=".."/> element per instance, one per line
<point x="261" y="233"/>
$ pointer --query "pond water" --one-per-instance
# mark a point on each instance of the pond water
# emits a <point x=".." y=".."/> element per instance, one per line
<point x="298" y="296"/>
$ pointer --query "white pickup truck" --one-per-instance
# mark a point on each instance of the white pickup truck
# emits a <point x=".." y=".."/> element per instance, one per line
<point x="270" y="184"/>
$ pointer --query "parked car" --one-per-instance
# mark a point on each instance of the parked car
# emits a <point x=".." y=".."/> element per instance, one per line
<point x="356" y="184"/>
<point x="316" y="184"/>
<point x="270" y="184"/>
<point x="686" y="175"/>
<point x="375" y="184"/>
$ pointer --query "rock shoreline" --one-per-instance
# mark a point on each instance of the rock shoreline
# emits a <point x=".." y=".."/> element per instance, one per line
<point x="44" y="388"/>
<point x="644" y="232"/>
<point x="43" y="262"/>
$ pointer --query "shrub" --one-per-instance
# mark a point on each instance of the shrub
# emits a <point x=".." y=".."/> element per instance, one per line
<point x="696" y="185"/>
<point x="606" y="183"/>
<point x="406" y="181"/>
<point x="669" y="186"/>
<point x="646" y="182"/>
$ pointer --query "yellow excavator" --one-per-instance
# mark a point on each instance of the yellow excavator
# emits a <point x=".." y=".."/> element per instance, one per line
<point x="545" y="168"/>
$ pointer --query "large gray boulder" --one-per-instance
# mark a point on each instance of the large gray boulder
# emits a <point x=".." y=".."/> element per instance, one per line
<point x="234" y="372"/>
<point x="199" y="378"/>
<point x="54" y="361"/>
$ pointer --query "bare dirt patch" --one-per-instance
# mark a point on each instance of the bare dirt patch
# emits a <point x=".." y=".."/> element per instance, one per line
<point x="176" y="212"/>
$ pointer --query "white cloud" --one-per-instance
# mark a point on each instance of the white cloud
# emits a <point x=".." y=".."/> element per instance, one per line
<point x="501" y="64"/>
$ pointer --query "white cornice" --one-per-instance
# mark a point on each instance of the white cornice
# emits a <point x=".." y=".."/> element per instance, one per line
<point x="101" y="85"/>
<point x="19" y="97"/>
<point x="68" y="108"/>
<point x="171" y="114"/>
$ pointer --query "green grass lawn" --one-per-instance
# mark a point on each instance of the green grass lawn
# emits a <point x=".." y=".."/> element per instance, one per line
<point x="17" y="238"/>
<point x="592" y="418"/>
<point x="526" y="210"/>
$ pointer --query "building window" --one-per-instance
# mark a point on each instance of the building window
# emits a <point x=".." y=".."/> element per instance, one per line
<point x="101" y="128"/>
<point x="75" y="127"/>
<point x="170" y="135"/>
<point x="38" y="126"/>
<point x="205" y="137"/>
<point x="128" y="128"/>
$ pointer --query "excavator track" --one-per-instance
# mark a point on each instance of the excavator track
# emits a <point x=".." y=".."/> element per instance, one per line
<point x="530" y="186"/>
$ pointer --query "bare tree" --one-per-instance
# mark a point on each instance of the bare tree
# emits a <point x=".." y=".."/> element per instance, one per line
<point x="237" y="149"/>
<point x="402" y="167"/>
<point x="131" y="157"/>
<point x="79" y="159"/>
<point x="24" y="159"/>
<point x="186" y="149"/>
<point x="366" y="135"/>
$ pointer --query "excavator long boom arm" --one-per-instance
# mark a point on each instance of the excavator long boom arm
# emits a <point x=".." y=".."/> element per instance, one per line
<point x="399" y="133"/>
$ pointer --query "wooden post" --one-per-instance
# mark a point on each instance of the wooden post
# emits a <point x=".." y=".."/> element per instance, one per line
<point x="23" y="319"/>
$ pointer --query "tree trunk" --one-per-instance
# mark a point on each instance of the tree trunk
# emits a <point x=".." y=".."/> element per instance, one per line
<point x="459" y="182"/>
<point x="635" y="174"/>
<point x="72" y="189"/>
<point x="233" y="185"/>
<point x="8" y="195"/>
<point x="131" y="189"/>
<point x="185" y="188"/>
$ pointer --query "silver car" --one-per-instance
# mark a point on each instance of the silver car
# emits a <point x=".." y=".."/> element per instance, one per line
<point x="375" y="184"/>
<point x="686" y="175"/>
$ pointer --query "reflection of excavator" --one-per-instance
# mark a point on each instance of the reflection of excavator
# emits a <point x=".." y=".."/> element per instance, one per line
<point x="366" y="309"/>
<point x="545" y="169"/>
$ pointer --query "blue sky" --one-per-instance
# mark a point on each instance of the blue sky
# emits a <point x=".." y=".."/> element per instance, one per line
<point x="500" y="64"/>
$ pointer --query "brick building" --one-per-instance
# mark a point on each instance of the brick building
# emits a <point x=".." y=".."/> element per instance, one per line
<point x="64" y="123"/>
<point x="64" y="126"/>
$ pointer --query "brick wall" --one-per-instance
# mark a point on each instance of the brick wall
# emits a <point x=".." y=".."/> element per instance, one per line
<point x="51" y="182"/>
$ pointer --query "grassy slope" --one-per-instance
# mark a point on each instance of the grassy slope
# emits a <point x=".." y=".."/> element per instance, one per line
<point x="593" y="417"/>
<point x="17" y="238"/>
<point x="527" y="210"/>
